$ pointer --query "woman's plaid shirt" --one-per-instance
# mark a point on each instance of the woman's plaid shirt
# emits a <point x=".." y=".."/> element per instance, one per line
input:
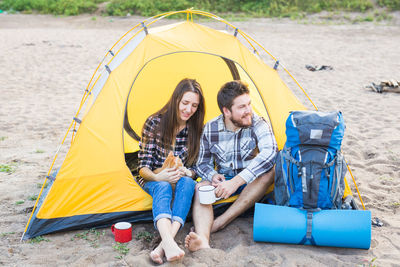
<point x="152" y="155"/>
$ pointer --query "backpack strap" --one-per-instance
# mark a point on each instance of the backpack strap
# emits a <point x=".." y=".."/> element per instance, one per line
<point x="329" y="164"/>
<point x="300" y="167"/>
<point x="289" y="159"/>
<point x="308" y="236"/>
<point x="337" y="173"/>
<point x="286" y="175"/>
<point x="337" y="176"/>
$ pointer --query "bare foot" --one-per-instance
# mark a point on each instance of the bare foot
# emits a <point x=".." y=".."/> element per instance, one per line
<point x="195" y="242"/>
<point x="172" y="251"/>
<point x="157" y="254"/>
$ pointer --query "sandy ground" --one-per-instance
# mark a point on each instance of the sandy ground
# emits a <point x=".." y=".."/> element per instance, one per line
<point x="46" y="63"/>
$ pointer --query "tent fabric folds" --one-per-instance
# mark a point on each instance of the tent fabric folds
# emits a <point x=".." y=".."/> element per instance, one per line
<point x="93" y="186"/>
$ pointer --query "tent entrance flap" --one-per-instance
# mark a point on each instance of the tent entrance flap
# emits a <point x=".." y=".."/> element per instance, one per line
<point x="156" y="81"/>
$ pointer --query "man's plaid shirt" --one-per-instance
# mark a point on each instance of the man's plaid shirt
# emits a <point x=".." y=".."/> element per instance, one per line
<point x="152" y="155"/>
<point x="248" y="152"/>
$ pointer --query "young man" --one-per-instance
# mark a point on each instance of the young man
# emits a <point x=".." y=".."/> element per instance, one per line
<point x="242" y="147"/>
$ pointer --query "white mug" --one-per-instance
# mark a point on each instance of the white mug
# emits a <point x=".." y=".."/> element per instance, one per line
<point x="207" y="194"/>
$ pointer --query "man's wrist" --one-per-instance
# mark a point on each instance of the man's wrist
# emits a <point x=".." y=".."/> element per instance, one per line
<point x="238" y="180"/>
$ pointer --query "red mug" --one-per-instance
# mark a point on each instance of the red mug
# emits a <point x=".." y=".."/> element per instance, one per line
<point x="122" y="232"/>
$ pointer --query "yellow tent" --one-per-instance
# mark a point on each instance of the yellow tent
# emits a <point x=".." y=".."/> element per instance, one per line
<point x="94" y="187"/>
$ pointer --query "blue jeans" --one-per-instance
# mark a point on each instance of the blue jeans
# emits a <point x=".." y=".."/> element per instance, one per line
<point x="162" y="198"/>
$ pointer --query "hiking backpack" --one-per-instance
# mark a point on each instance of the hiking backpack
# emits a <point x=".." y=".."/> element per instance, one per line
<point x="310" y="169"/>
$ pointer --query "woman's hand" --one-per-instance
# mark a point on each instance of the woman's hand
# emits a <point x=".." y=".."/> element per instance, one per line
<point x="186" y="172"/>
<point x="171" y="175"/>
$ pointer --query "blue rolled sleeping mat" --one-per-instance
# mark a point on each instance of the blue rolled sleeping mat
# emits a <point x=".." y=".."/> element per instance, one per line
<point x="333" y="228"/>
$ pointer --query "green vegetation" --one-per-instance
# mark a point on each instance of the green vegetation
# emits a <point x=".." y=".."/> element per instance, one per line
<point x="294" y="9"/>
<point x="38" y="239"/>
<point x="2" y="138"/>
<point x="121" y="249"/>
<point x="358" y="19"/>
<point x="39" y="151"/>
<point x="19" y="202"/>
<point x="145" y="236"/>
<point x="257" y="8"/>
<point x="381" y="15"/>
<point x="7" y="168"/>
<point x="147" y="8"/>
<point x="39" y="185"/>
<point x="6" y="234"/>
<point x="369" y="263"/>
<point x="385" y="178"/>
<point x="92" y="236"/>
<point x="32" y="198"/>
<point x="390" y="4"/>
<point x="57" y="7"/>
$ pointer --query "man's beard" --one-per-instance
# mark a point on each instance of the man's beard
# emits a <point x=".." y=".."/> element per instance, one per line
<point x="238" y="123"/>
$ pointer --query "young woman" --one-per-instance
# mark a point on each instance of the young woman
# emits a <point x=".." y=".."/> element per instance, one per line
<point x="176" y="127"/>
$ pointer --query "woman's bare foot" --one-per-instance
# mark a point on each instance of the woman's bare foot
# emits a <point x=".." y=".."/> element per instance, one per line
<point x="172" y="251"/>
<point x="157" y="254"/>
<point x="195" y="242"/>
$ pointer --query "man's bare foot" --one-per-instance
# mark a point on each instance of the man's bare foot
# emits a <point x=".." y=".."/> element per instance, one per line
<point x="195" y="242"/>
<point x="172" y="251"/>
<point x="157" y="254"/>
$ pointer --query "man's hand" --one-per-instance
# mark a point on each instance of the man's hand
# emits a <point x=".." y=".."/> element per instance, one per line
<point x="216" y="179"/>
<point x="227" y="188"/>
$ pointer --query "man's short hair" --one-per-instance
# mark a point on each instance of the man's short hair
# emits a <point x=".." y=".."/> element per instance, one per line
<point x="228" y="92"/>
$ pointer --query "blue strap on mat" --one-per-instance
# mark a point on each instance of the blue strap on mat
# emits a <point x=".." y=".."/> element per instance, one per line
<point x="308" y="237"/>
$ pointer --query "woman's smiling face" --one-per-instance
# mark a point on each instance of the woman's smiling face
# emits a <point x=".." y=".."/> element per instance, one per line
<point x="188" y="106"/>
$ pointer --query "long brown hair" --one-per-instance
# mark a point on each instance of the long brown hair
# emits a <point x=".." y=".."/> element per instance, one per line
<point x="168" y="126"/>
